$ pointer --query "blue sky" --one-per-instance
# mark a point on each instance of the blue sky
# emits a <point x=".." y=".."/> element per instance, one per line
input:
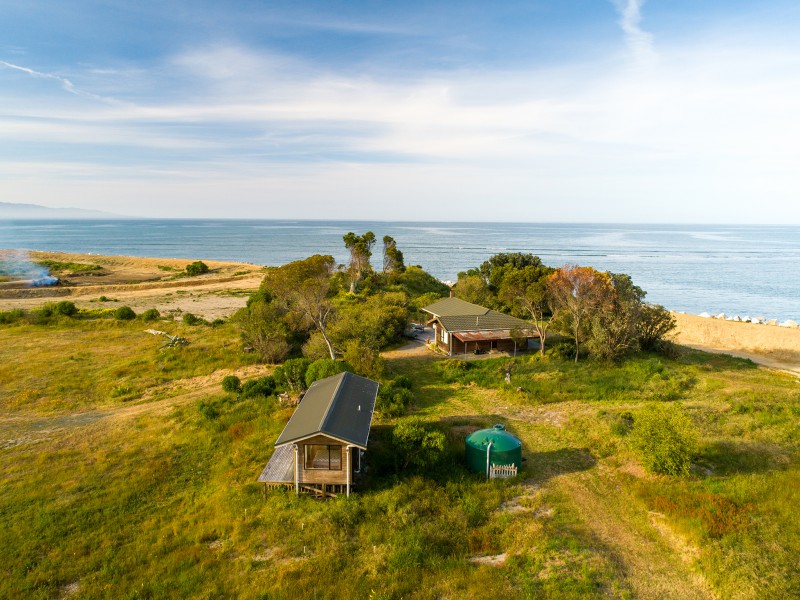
<point x="590" y="110"/>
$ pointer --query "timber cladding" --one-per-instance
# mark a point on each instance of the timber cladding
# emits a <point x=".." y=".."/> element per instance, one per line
<point x="336" y="471"/>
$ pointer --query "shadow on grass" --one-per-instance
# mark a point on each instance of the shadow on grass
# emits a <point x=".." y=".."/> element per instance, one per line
<point x="714" y="362"/>
<point x="729" y="458"/>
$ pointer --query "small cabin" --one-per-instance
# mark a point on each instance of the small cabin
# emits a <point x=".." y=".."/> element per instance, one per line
<point x="461" y="327"/>
<point x="322" y="446"/>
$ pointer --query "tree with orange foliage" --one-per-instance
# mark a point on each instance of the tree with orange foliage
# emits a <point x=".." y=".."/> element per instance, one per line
<point x="576" y="293"/>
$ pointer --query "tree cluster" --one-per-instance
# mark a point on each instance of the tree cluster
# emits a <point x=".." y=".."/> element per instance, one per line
<point x="604" y="313"/>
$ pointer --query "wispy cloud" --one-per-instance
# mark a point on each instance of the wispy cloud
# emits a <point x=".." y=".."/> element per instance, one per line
<point x="639" y="41"/>
<point x="66" y="84"/>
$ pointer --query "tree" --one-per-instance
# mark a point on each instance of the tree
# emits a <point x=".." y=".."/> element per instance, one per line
<point x="613" y="332"/>
<point x="304" y="288"/>
<point x="472" y="288"/>
<point x="392" y="257"/>
<point x="324" y="367"/>
<point x="526" y="290"/>
<point x="655" y="323"/>
<point x="494" y="270"/>
<point x="576" y="292"/>
<point x="263" y="328"/>
<point x="360" y="247"/>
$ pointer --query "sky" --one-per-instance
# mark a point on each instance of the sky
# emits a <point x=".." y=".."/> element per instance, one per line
<point x="672" y="111"/>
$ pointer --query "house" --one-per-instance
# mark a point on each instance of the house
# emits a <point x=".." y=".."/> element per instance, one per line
<point x="461" y="327"/>
<point x="320" y="450"/>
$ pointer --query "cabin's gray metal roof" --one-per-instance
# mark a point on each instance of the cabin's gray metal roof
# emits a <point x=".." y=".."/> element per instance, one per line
<point x="340" y="407"/>
<point x="455" y="307"/>
<point x="490" y="321"/>
<point x="280" y="468"/>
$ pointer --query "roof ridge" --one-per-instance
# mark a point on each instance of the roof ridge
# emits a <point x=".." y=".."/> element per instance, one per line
<point x="334" y="397"/>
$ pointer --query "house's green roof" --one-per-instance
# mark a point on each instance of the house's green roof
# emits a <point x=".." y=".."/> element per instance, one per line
<point x="491" y="321"/>
<point x="454" y="307"/>
<point x="340" y="407"/>
<point x="458" y="315"/>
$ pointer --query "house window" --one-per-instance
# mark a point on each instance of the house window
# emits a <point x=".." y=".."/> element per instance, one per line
<point x="445" y="336"/>
<point x="323" y="456"/>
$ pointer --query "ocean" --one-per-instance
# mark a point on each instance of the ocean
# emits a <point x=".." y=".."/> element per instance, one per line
<point x="735" y="269"/>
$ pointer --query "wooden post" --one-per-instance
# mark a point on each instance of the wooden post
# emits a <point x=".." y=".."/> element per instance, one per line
<point x="349" y="472"/>
<point x="296" y="470"/>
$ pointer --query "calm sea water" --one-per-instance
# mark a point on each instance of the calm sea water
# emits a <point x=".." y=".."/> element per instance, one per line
<point x="744" y="270"/>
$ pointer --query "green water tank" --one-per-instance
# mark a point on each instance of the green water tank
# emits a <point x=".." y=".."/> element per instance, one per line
<point x="505" y="449"/>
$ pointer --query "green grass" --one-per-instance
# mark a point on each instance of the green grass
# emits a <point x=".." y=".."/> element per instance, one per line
<point x="59" y="267"/>
<point x="117" y="486"/>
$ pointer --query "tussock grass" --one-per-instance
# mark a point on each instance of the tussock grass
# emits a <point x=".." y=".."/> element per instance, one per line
<point x="114" y="487"/>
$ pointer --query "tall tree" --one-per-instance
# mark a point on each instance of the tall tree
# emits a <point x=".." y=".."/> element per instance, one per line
<point x="304" y="286"/>
<point x="576" y="292"/>
<point x="613" y="332"/>
<point x="392" y="256"/>
<point x="360" y="247"/>
<point x="526" y="290"/>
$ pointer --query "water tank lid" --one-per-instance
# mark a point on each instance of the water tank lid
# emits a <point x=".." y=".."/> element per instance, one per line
<point x="501" y="440"/>
<point x="500" y="427"/>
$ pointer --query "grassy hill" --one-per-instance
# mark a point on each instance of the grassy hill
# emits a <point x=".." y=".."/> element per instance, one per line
<point x="117" y="484"/>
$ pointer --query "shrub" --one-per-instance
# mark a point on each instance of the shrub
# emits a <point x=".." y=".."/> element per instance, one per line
<point x="191" y="319"/>
<point x="151" y="314"/>
<point x="209" y="411"/>
<point x="324" y="367"/>
<point x="124" y="313"/>
<point x="294" y="374"/>
<point x="365" y="360"/>
<point x="66" y="308"/>
<point x="403" y="381"/>
<point x="418" y="444"/>
<point x="11" y="316"/>
<point x="196" y="268"/>
<point x="231" y="383"/>
<point x="393" y="400"/>
<point x="666" y="439"/>
<point x="263" y="386"/>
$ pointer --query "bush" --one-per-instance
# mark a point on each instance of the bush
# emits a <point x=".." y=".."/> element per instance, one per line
<point x="209" y="411"/>
<point x="66" y="308"/>
<point x="196" y="268"/>
<point x="232" y="384"/>
<point x="393" y="400"/>
<point x="11" y="316"/>
<point x="324" y="367"/>
<point x="365" y="360"/>
<point x="263" y="386"/>
<point x="151" y="314"/>
<point x="562" y="351"/>
<point x="124" y="313"/>
<point x="190" y="319"/>
<point x="418" y="444"/>
<point x="292" y="374"/>
<point x="666" y="439"/>
<point x="403" y="381"/>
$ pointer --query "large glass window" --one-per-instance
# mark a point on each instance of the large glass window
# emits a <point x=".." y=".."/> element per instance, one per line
<point x="323" y="456"/>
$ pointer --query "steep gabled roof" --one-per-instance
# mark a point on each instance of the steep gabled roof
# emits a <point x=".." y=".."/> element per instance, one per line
<point x="340" y="407"/>
<point x="455" y="307"/>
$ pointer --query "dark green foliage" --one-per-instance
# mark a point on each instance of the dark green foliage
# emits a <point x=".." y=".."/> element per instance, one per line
<point x="360" y="247"/>
<point x="151" y="314"/>
<point x="66" y="308"/>
<point x="292" y="374"/>
<point x="394" y="398"/>
<point x="231" y="384"/>
<point x="263" y="386"/>
<point x="56" y="266"/>
<point x="264" y="328"/>
<point x="209" y="411"/>
<point x="654" y="325"/>
<point x="666" y="439"/>
<point x="196" y="268"/>
<point x="192" y="319"/>
<point x="417" y="282"/>
<point x="124" y="313"/>
<point x="419" y="445"/>
<point x="392" y="257"/>
<point x="11" y="316"/>
<point x="324" y="367"/>
<point x="364" y="359"/>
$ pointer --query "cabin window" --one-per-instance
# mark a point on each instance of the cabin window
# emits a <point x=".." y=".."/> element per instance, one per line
<point x="445" y="336"/>
<point x="323" y="456"/>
